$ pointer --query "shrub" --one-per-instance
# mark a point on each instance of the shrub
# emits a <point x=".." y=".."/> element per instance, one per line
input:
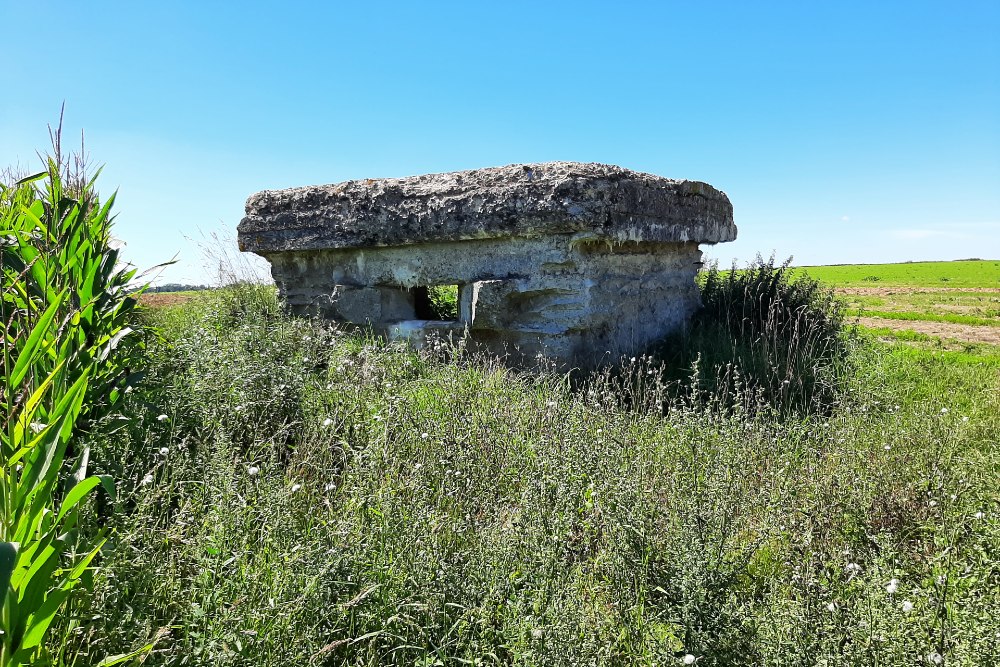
<point x="765" y="332"/>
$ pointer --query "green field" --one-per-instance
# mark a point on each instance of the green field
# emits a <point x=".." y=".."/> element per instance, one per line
<point x="295" y="494"/>
<point x="972" y="273"/>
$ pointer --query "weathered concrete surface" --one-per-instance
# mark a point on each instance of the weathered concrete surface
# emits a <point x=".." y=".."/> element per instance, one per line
<point x="527" y="200"/>
<point x="574" y="262"/>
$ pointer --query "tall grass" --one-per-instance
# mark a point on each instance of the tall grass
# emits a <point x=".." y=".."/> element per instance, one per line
<point x="767" y="330"/>
<point x="67" y="351"/>
<point x="292" y="494"/>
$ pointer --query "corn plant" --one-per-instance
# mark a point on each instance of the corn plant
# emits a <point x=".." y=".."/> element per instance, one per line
<point x="66" y="357"/>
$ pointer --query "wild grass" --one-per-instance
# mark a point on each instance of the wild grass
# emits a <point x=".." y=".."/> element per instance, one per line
<point x="292" y="494"/>
<point x="762" y="331"/>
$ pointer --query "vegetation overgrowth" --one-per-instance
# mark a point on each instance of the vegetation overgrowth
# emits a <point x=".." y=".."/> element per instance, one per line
<point x="65" y="308"/>
<point x="963" y="273"/>
<point x="771" y="488"/>
<point x="760" y="329"/>
<point x="296" y="494"/>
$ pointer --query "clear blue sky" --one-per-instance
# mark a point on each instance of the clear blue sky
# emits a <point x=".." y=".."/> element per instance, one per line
<point x="842" y="132"/>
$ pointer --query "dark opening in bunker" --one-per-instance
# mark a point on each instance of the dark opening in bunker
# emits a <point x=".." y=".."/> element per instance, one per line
<point x="436" y="302"/>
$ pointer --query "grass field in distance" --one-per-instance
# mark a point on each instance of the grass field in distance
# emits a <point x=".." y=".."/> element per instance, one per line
<point x="967" y="273"/>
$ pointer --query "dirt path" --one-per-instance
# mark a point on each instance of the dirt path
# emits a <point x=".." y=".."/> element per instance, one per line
<point x="963" y="332"/>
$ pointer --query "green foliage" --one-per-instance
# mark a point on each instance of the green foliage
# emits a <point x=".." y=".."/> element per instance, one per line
<point x="67" y="346"/>
<point x="292" y="494"/>
<point x="444" y="301"/>
<point x="762" y="330"/>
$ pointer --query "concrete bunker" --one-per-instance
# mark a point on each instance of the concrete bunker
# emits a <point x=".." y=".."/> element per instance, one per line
<point x="568" y="261"/>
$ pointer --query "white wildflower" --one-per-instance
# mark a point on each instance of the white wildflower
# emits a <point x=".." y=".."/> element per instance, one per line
<point x="253" y="470"/>
<point x="418" y="466"/>
<point x="944" y="411"/>
<point x="423" y="436"/>
<point x="162" y="418"/>
<point x="329" y="486"/>
<point x="979" y="515"/>
<point x="965" y="419"/>
<point x="536" y="633"/>
<point x="296" y="488"/>
<point x="148" y="479"/>
<point x="892" y="587"/>
<point x="37" y="427"/>
<point x="689" y="659"/>
<point x="907" y="606"/>
<point x="831" y="607"/>
<point x="164" y="451"/>
<point x="935" y="658"/>
<point x="327" y="422"/>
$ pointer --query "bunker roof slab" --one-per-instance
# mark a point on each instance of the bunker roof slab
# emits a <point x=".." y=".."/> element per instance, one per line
<point x="522" y="200"/>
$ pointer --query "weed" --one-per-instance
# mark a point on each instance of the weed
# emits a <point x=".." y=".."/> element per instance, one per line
<point x="764" y="330"/>
<point x="331" y="499"/>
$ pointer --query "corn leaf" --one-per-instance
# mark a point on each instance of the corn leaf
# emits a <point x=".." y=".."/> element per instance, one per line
<point x="8" y="559"/>
<point x="36" y="338"/>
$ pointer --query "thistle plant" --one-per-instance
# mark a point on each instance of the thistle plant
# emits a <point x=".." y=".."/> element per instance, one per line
<point x="66" y="352"/>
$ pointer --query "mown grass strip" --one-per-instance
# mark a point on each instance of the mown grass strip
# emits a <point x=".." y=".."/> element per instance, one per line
<point x="930" y="317"/>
